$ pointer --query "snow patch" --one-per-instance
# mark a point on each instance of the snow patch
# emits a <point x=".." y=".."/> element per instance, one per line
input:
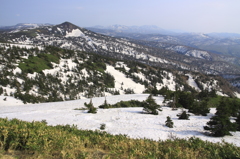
<point x="221" y="94"/>
<point x="60" y="30"/>
<point x="9" y="101"/>
<point x="168" y="82"/>
<point x="122" y="82"/>
<point x="122" y="64"/>
<point x="29" y="75"/>
<point x="237" y="94"/>
<point x="17" y="70"/>
<point x="75" y="33"/>
<point x="198" y="54"/>
<point x="192" y="83"/>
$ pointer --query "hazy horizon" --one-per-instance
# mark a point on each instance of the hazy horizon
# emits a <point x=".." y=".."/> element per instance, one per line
<point x="205" y="16"/>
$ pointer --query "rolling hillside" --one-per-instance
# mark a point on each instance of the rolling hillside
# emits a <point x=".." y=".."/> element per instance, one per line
<point x="70" y="36"/>
<point x="45" y="74"/>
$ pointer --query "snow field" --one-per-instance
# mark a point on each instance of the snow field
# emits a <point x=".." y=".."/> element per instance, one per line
<point x="129" y="121"/>
<point x="127" y="82"/>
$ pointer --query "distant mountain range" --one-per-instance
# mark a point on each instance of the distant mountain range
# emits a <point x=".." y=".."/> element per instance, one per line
<point x="180" y="52"/>
<point x="220" y="43"/>
<point x="225" y="35"/>
<point x="145" y="29"/>
<point x="153" y="29"/>
<point x="22" y="26"/>
<point x="121" y="29"/>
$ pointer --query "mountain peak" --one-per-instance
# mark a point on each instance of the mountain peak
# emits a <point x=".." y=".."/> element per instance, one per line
<point x="67" y="25"/>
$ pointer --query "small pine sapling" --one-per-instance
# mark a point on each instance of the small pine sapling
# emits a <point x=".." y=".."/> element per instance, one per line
<point x="102" y="126"/>
<point x="169" y="122"/>
<point x="183" y="116"/>
<point x="91" y="108"/>
<point x="105" y="105"/>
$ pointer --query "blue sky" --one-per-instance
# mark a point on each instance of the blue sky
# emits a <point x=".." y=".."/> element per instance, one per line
<point x="187" y="15"/>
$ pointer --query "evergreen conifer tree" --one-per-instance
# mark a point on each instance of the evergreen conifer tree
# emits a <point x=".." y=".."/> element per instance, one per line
<point x="200" y="108"/>
<point x="224" y="107"/>
<point x="186" y="100"/>
<point x="169" y="122"/>
<point x="238" y="122"/>
<point x="155" y="91"/>
<point x="220" y="124"/>
<point x="150" y="106"/>
<point x="235" y="107"/>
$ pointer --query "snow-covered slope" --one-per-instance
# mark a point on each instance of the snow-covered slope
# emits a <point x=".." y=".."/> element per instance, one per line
<point x="192" y="83"/>
<point x="70" y="36"/>
<point x="188" y="51"/>
<point x="129" y="121"/>
<point x="25" y="46"/>
<point x="122" y="82"/>
<point x="75" y="75"/>
<point x="10" y="101"/>
<point x="21" y="26"/>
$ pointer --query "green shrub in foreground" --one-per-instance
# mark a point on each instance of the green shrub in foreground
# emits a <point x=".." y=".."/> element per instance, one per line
<point x="37" y="140"/>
